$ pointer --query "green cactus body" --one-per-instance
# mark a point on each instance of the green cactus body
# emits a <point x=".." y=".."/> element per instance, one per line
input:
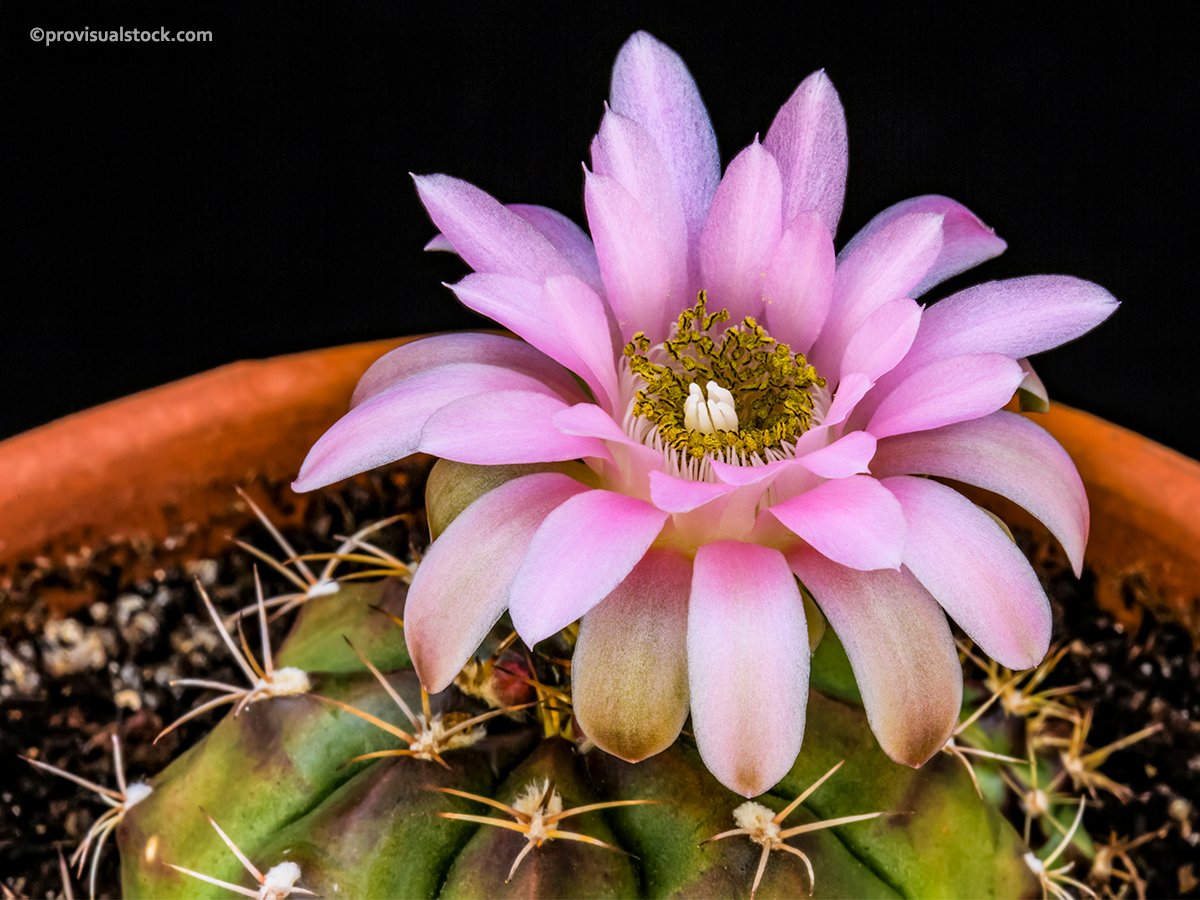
<point x="278" y="779"/>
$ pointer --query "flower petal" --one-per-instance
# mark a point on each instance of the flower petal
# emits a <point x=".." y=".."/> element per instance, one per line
<point x="461" y="587"/>
<point x="582" y="551"/>
<point x="966" y="241"/>
<point x="748" y="663"/>
<point x="854" y="521"/>
<point x="466" y="347"/>
<point x="1017" y="317"/>
<point x="486" y="234"/>
<point x="885" y="265"/>
<point x="848" y="455"/>
<point x="504" y="427"/>
<point x="741" y="233"/>
<point x="563" y="318"/>
<point x="681" y="495"/>
<point x="629" y="673"/>
<point x="977" y="574"/>
<point x="387" y="426"/>
<point x="798" y="285"/>
<point x="882" y="339"/>
<point x="808" y="139"/>
<point x="900" y="649"/>
<point x="571" y="241"/>
<point x="1007" y="454"/>
<point x="947" y="391"/>
<point x="652" y="86"/>
<point x="644" y="265"/>
<point x="564" y="235"/>
<point x="1032" y="393"/>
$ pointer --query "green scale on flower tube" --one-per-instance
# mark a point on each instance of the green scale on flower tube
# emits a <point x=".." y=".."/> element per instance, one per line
<point x="735" y="394"/>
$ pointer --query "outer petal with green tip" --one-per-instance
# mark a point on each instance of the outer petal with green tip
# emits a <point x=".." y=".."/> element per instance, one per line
<point x="629" y="671"/>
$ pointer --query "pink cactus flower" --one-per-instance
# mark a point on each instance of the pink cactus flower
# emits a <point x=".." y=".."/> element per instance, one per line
<point x="755" y="414"/>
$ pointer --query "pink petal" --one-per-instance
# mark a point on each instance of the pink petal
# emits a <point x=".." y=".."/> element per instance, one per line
<point x="681" y="495"/>
<point x="566" y="237"/>
<point x="900" y="649"/>
<point x="1018" y="317"/>
<point x="644" y="265"/>
<point x="486" y="234"/>
<point x="798" y="286"/>
<point x="461" y="587"/>
<point x="1007" y="454"/>
<point x="966" y="241"/>
<point x="652" y="86"/>
<point x="808" y="138"/>
<point x="945" y="392"/>
<point x="741" y="233"/>
<point x="885" y="265"/>
<point x="502" y="428"/>
<point x="854" y="521"/>
<point x="387" y="426"/>
<point x="468" y="347"/>
<point x="850" y="391"/>
<point x="848" y="455"/>
<point x="589" y="420"/>
<point x="883" y="338"/>
<point x="583" y="550"/>
<point x="563" y="318"/>
<point x="581" y="319"/>
<point x="975" y="571"/>
<point x="748" y="662"/>
<point x="629" y="672"/>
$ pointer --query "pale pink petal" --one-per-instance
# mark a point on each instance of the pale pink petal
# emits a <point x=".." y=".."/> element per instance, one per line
<point x="629" y="684"/>
<point x="581" y="318"/>
<point x="966" y="241"/>
<point x="446" y="349"/>
<point x="571" y="241"/>
<point x="583" y="550"/>
<point x="882" y="339"/>
<point x="644" y="267"/>
<point x="798" y="286"/>
<point x="854" y="521"/>
<point x="461" y="587"/>
<point x="1032" y="393"/>
<point x="652" y="86"/>
<point x="1007" y="454"/>
<point x="900" y="649"/>
<point x="885" y="265"/>
<point x="562" y="317"/>
<point x="808" y="138"/>
<point x="741" y="233"/>
<point x="748" y="662"/>
<point x="848" y="455"/>
<point x="486" y="234"/>
<point x="1018" y="317"/>
<point x="589" y="420"/>
<point x="387" y="426"/>
<point x="502" y="428"/>
<point x="945" y="392"/>
<point x="975" y="571"/>
<point x="850" y="392"/>
<point x="681" y="495"/>
<point x="565" y="236"/>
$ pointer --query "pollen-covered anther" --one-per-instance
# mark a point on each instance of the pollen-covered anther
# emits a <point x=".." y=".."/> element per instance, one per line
<point x="718" y="391"/>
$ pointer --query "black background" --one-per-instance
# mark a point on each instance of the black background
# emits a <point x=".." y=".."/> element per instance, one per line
<point x="172" y="207"/>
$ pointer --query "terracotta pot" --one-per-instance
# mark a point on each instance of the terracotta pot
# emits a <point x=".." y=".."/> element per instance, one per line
<point x="164" y="463"/>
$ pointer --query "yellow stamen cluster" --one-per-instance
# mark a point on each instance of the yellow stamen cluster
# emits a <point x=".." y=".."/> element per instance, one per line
<point x="770" y="384"/>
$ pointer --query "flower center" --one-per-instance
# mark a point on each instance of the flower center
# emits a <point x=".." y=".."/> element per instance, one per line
<point x="756" y="394"/>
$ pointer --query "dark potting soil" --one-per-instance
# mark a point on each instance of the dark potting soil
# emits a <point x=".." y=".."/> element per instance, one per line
<point x="68" y="683"/>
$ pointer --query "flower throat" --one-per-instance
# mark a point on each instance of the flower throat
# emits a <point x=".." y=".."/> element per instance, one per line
<point x="769" y="386"/>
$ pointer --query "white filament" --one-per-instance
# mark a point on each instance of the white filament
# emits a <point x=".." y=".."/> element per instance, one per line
<point x="712" y="413"/>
